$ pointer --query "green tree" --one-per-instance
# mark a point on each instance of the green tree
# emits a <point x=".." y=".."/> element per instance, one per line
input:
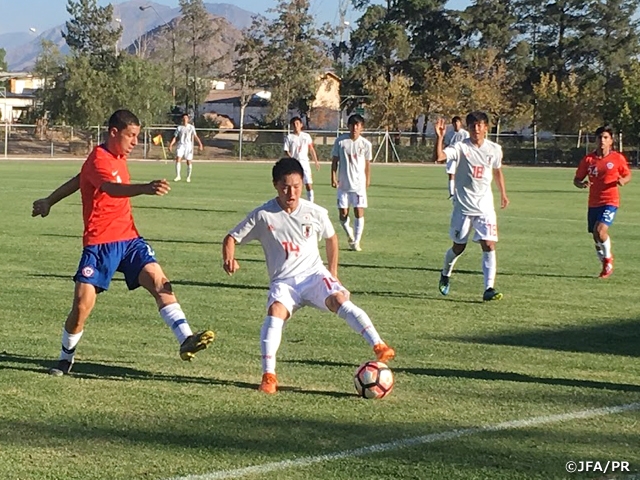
<point x="91" y="31"/>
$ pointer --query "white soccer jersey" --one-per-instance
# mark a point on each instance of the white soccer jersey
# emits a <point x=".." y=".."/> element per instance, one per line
<point x="454" y="137"/>
<point x="353" y="156"/>
<point x="185" y="135"/>
<point x="289" y="240"/>
<point x="298" y="146"/>
<point x="474" y="172"/>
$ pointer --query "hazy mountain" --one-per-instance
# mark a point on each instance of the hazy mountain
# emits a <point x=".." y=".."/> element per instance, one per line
<point x="135" y="22"/>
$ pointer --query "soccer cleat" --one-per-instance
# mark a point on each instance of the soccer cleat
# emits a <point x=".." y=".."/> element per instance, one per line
<point x="62" y="368"/>
<point x="607" y="268"/>
<point x="177" y="179"/>
<point x="269" y="383"/>
<point x="355" y="246"/>
<point x="491" y="294"/>
<point x="443" y="284"/>
<point x="195" y="343"/>
<point x="384" y="352"/>
<point x="188" y="179"/>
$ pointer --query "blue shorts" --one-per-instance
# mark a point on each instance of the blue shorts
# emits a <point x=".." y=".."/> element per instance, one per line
<point x="100" y="262"/>
<point x="604" y="214"/>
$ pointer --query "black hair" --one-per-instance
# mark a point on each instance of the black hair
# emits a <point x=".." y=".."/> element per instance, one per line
<point x="286" y="166"/>
<point x="294" y="119"/>
<point x="456" y="119"/>
<point x="121" y="119"/>
<point x="355" y="119"/>
<point x="605" y="128"/>
<point x="477" y="117"/>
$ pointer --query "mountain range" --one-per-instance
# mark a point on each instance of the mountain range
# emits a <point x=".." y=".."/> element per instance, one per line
<point x="22" y="48"/>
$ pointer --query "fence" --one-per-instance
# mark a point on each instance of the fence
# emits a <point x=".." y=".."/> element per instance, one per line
<point x="31" y="141"/>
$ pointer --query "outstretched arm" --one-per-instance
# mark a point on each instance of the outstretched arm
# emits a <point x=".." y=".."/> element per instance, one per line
<point x="42" y="206"/>
<point x="156" y="187"/>
<point x="332" y="255"/>
<point x="229" y="262"/>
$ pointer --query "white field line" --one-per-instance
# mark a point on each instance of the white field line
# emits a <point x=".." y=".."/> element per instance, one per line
<point x="410" y="442"/>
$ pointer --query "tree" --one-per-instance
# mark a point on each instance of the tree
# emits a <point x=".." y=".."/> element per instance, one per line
<point x="292" y="57"/>
<point x="91" y="32"/>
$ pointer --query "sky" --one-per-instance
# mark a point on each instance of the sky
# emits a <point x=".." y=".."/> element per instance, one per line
<point x="22" y="15"/>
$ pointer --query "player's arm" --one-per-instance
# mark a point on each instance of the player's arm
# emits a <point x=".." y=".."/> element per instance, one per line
<point x="156" y="187"/>
<point x="312" y="150"/>
<point x="367" y="172"/>
<point x="334" y="171"/>
<point x="42" y="206"/>
<point x="498" y="177"/>
<point x="331" y="244"/>
<point x="229" y="262"/>
<point x="438" y="150"/>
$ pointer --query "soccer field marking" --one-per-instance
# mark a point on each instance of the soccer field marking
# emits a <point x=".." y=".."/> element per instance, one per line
<point x="410" y="442"/>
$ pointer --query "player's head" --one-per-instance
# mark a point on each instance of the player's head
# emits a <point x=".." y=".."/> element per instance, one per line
<point x="478" y="125"/>
<point x="355" y="124"/>
<point x="604" y="137"/>
<point x="185" y="118"/>
<point x="287" y="175"/>
<point x="124" y="128"/>
<point x="457" y="123"/>
<point x="296" y="124"/>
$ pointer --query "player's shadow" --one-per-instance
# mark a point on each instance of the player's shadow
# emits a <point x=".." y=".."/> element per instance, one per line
<point x="492" y="375"/>
<point x="617" y="338"/>
<point x="94" y="370"/>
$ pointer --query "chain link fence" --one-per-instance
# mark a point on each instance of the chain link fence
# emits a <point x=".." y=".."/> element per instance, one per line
<point x="58" y="142"/>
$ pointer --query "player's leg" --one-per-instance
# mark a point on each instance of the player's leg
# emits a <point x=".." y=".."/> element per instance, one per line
<point x="178" y="168"/>
<point x="487" y="235"/>
<point x="140" y="268"/>
<point x="359" y="202"/>
<point x="97" y="265"/>
<point x="343" y="212"/>
<point x="459" y="229"/>
<point x="280" y="305"/>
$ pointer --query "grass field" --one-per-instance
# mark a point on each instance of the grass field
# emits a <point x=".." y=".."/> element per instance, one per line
<point x="561" y="342"/>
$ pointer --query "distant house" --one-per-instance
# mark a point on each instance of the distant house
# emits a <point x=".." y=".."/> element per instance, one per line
<point x="19" y="96"/>
<point x="324" y="114"/>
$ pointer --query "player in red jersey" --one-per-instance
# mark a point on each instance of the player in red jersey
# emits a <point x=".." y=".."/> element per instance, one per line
<point x="111" y="241"/>
<point x="606" y="170"/>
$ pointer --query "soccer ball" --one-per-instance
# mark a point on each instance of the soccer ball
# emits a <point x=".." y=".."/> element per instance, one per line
<point x="373" y="380"/>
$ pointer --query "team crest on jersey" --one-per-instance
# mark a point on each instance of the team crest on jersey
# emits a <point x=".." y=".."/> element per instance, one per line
<point x="609" y="165"/>
<point x="87" y="272"/>
<point x="307" y="230"/>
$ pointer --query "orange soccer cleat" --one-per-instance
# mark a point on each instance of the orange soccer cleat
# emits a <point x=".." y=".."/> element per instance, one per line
<point x="269" y="383"/>
<point x="383" y="352"/>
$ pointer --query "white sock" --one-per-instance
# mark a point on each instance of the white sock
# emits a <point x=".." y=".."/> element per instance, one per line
<point x="310" y="195"/>
<point x="489" y="268"/>
<point x="360" y="322"/>
<point x="270" y="338"/>
<point x="178" y="167"/>
<point x="174" y="317"/>
<point x="359" y="227"/>
<point x="452" y="184"/>
<point x="450" y="259"/>
<point x="189" y="168"/>
<point x="347" y="228"/>
<point x="606" y="248"/>
<point x="599" y="251"/>
<point x="69" y="342"/>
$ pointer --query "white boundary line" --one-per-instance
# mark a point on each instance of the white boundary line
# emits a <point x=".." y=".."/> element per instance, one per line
<point x="409" y="442"/>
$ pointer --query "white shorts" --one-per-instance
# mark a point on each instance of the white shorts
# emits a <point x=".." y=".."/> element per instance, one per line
<point x="297" y="292"/>
<point x="354" y="199"/>
<point x="185" y="152"/>
<point x="485" y="227"/>
<point x="450" y="167"/>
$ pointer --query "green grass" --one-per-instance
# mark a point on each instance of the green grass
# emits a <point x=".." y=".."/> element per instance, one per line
<point x="560" y="341"/>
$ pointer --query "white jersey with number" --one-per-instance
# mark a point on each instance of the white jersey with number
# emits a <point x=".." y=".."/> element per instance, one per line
<point x="185" y="135"/>
<point x="474" y="173"/>
<point x="298" y="146"/>
<point x="289" y="240"/>
<point x="353" y="156"/>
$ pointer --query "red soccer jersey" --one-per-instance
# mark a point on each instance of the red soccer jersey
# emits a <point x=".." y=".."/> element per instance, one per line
<point x="106" y="218"/>
<point x="603" y="177"/>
